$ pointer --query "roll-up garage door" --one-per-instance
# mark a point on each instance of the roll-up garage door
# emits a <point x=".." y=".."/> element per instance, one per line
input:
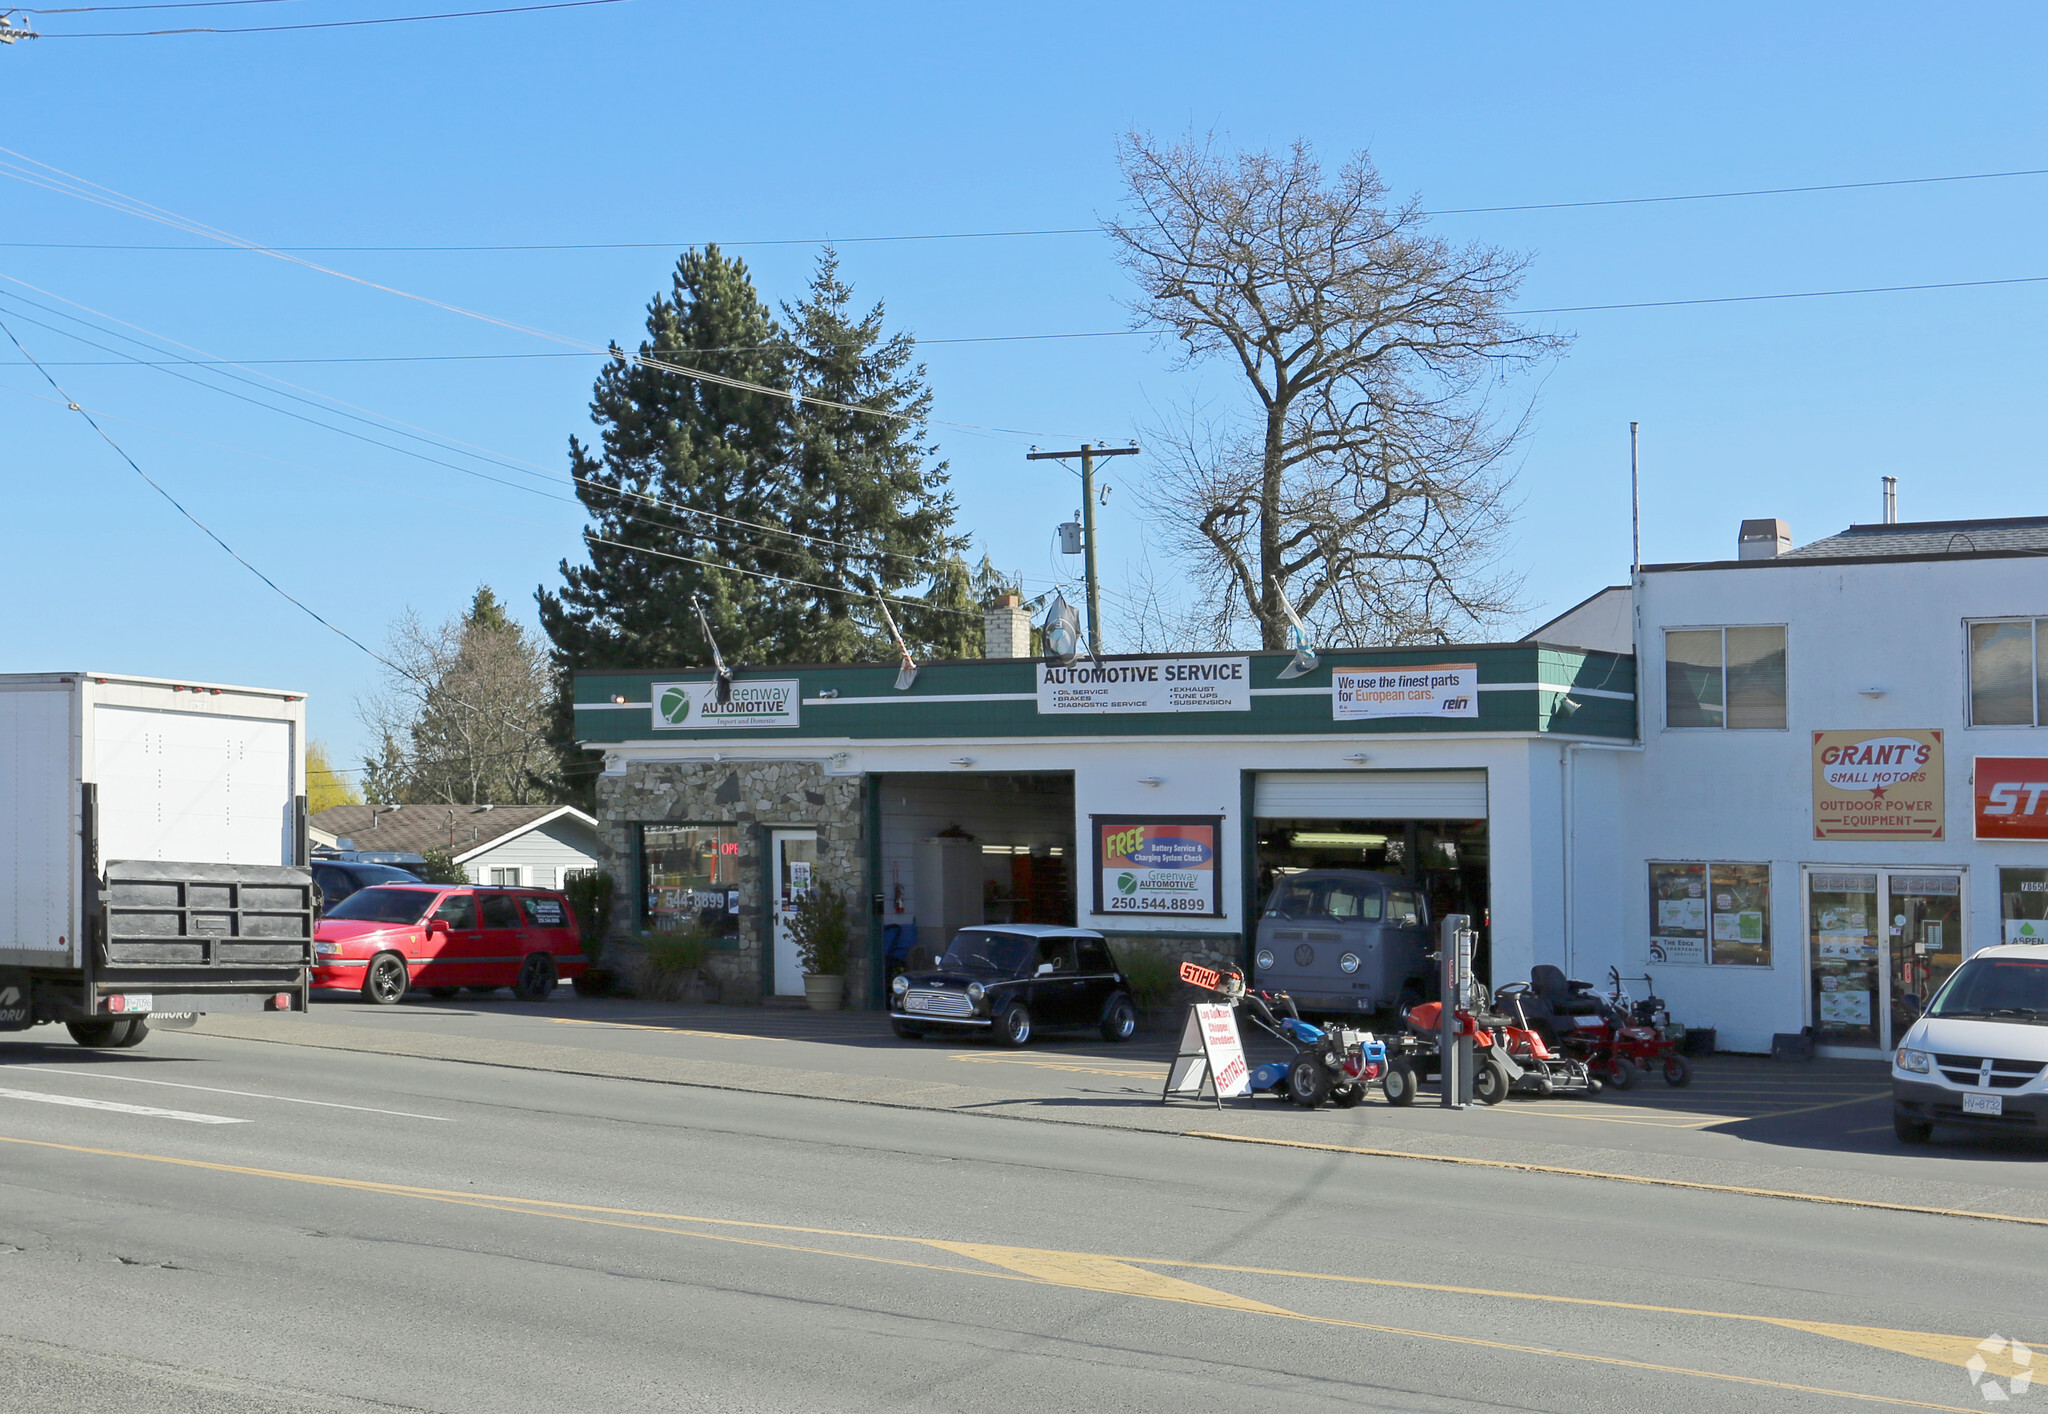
<point x="1371" y="795"/>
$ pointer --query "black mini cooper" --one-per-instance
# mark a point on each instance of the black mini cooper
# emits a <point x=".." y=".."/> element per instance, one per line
<point x="1015" y="980"/>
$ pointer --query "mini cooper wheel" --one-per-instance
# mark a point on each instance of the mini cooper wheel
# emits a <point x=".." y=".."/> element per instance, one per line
<point x="1399" y="1084"/>
<point x="1308" y="1081"/>
<point x="1120" y="1021"/>
<point x="1013" y="1027"/>
<point x="536" y="978"/>
<point x="1677" y="1071"/>
<point x="385" y="980"/>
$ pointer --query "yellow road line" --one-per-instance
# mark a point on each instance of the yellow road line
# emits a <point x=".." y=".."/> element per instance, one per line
<point x="1621" y="1178"/>
<point x="1088" y="1271"/>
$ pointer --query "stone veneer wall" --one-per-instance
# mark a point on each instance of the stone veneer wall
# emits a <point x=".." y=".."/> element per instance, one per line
<point x="755" y="795"/>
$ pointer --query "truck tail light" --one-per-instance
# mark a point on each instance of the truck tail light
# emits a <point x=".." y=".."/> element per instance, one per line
<point x="117" y="1004"/>
<point x="281" y="1002"/>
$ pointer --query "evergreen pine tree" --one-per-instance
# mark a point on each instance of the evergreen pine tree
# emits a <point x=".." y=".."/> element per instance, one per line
<point x="866" y="488"/>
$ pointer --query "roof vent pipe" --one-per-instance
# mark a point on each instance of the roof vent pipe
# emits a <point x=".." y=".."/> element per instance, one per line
<point x="1891" y="500"/>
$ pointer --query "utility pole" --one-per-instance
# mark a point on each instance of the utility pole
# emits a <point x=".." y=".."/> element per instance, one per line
<point x="1088" y="453"/>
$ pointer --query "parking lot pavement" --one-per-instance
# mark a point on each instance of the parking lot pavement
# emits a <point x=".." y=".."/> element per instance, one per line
<point x="1821" y="1128"/>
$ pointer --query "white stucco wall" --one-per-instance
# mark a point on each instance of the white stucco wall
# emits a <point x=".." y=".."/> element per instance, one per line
<point x="1745" y="796"/>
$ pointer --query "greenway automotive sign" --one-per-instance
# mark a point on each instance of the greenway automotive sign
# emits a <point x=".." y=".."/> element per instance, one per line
<point x="694" y="706"/>
<point x="2012" y="797"/>
<point x="1146" y="685"/>
<point x="1877" y="785"/>
<point x="1157" y="865"/>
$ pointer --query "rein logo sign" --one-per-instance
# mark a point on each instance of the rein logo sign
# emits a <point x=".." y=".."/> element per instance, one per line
<point x="1436" y="690"/>
<point x="694" y="706"/>
<point x="2012" y="797"/>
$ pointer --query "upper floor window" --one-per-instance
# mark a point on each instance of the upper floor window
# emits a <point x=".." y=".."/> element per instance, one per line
<point x="1725" y="677"/>
<point x="2009" y="673"/>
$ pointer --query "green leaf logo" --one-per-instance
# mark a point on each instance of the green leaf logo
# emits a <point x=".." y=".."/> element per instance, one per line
<point x="1127" y="883"/>
<point x="675" y="706"/>
<point x="2027" y="930"/>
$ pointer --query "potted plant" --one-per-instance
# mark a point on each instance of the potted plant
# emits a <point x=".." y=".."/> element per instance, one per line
<point x="822" y="931"/>
<point x="590" y="894"/>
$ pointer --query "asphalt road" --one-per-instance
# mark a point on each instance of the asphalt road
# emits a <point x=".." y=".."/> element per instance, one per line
<point x="217" y="1224"/>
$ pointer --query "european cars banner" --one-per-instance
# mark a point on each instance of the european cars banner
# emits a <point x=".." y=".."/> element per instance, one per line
<point x="1158" y="865"/>
<point x="1439" y="690"/>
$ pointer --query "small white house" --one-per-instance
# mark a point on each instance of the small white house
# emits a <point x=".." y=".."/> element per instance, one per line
<point x="526" y="845"/>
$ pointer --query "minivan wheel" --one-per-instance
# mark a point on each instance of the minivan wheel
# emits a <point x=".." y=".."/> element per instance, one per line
<point x="1910" y="1130"/>
<point x="536" y="978"/>
<point x="1120" y="1022"/>
<point x="1013" y="1027"/>
<point x="385" y="980"/>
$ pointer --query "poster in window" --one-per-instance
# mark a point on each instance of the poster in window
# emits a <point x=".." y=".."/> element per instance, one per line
<point x="1162" y="865"/>
<point x="1741" y="899"/>
<point x="1678" y="914"/>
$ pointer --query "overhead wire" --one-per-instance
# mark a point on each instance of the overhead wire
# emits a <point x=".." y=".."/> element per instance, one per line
<point x="321" y="24"/>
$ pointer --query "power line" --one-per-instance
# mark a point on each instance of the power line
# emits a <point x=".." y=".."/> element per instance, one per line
<point x="324" y="24"/>
<point x="1020" y="233"/>
<point x="162" y="5"/>
<point x="1789" y="294"/>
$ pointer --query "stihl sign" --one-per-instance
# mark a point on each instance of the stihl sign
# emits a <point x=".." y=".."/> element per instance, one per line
<point x="2012" y="797"/>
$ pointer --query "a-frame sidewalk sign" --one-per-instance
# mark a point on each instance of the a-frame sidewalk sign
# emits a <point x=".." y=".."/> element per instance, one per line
<point x="1211" y="1054"/>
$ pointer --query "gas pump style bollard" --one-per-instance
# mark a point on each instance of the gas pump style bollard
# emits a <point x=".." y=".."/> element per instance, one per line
<point x="1455" y="940"/>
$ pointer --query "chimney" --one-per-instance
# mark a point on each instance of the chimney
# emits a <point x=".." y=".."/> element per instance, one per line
<point x="1891" y="500"/>
<point x="1007" y="628"/>
<point x="1763" y="540"/>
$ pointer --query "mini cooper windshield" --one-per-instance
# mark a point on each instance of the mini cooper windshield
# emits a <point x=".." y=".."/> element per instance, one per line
<point x="977" y="952"/>
<point x="384" y="905"/>
<point x="2007" y="988"/>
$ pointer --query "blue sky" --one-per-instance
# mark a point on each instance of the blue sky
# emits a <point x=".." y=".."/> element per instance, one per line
<point x="672" y="122"/>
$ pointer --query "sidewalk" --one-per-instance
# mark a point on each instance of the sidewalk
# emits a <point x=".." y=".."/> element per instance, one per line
<point x="1820" y="1128"/>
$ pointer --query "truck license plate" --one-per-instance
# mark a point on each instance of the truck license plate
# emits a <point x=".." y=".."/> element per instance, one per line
<point x="1983" y="1104"/>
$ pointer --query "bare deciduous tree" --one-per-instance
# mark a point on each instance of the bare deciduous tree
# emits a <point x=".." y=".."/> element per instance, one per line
<point x="463" y="715"/>
<point x="1366" y="475"/>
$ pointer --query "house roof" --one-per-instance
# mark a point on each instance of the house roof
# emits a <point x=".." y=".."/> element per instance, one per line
<point x="1929" y="537"/>
<point x="461" y="830"/>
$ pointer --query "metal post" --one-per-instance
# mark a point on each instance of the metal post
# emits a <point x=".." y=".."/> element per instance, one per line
<point x="1453" y="1052"/>
<point x="1635" y="501"/>
<point x="1088" y="549"/>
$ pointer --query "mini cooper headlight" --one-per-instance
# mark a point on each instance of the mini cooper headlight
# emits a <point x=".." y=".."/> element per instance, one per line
<point x="1919" y="1062"/>
<point x="1264" y="959"/>
<point x="900" y="985"/>
<point x="975" y="992"/>
<point x="1348" y="962"/>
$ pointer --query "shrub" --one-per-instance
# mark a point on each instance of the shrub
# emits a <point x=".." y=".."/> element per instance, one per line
<point x="669" y="953"/>
<point x="1151" y="978"/>
<point x="822" y="931"/>
<point x="438" y="866"/>
<point x="590" y="894"/>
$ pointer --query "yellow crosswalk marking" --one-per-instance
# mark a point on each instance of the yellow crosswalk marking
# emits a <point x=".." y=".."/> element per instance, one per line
<point x="1095" y="1273"/>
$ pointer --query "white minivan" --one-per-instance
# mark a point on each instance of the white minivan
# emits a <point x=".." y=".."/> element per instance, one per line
<point x="1978" y="1055"/>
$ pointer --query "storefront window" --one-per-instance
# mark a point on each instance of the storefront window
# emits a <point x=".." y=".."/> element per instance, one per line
<point x="1710" y="914"/>
<point x="1841" y="909"/>
<point x="690" y="878"/>
<point x="2023" y="905"/>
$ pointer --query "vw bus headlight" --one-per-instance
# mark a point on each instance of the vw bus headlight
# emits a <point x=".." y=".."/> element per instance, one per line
<point x="1919" y="1062"/>
<point x="1348" y="962"/>
<point x="975" y="992"/>
<point x="1264" y="959"/>
<point x="900" y="985"/>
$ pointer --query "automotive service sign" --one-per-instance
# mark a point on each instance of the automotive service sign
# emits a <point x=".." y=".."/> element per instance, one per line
<point x="1877" y="784"/>
<point x="694" y="706"/>
<point x="2011" y="798"/>
<point x="1158" y="866"/>
<point x="1189" y="684"/>
<point x="1438" y="690"/>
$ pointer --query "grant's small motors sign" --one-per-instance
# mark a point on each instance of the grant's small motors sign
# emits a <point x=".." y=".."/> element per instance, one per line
<point x="1877" y="784"/>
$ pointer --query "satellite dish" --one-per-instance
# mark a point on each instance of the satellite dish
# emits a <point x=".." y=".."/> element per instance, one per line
<point x="1061" y="632"/>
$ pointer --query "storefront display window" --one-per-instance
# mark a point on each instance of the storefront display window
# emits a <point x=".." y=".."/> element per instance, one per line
<point x="2023" y="905"/>
<point x="1710" y="914"/>
<point x="690" y="878"/>
<point x="1841" y="910"/>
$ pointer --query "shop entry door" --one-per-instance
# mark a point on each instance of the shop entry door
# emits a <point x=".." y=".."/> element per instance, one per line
<point x="1879" y="942"/>
<point x="795" y="860"/>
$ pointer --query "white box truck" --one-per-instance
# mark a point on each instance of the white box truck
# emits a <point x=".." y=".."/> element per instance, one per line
<point x="152" y="853"/>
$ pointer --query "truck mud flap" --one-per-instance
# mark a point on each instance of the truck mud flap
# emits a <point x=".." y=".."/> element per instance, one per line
<point x="17" y="1000"/>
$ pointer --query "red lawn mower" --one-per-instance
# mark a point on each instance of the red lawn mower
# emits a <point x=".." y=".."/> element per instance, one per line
<point x="1617" y="1037"/>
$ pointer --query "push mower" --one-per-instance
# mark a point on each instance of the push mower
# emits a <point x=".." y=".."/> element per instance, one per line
<point x="1333" y="1063"/>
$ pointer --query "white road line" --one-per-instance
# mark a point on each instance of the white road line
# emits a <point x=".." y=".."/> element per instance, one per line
<point x="216" y="1090"/>
<point x="148" y="1110"/>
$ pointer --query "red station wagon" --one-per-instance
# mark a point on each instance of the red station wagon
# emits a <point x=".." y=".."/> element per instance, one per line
<point x="383" y="940"/>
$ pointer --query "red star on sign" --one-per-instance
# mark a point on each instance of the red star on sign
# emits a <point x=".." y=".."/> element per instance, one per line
<point x="1877" y="792"/>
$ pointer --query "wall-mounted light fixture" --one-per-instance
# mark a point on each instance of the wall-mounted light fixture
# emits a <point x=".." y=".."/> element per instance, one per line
<point x="963" y="762"/>
<point x="1871" y="692"/>
<point x="1358" y="758"/>
<point x="829" y="692"/>
<point x="1151" y="780"/>
<point x="620" y="698"/>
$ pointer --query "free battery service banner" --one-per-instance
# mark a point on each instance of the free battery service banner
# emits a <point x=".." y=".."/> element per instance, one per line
<point x="1157" y="866"/>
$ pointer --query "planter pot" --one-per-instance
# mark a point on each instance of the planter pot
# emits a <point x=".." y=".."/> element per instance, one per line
<point x="824" y="993"/>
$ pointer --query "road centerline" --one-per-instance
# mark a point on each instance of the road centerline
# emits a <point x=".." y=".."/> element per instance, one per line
<point x="218" y="1090"/>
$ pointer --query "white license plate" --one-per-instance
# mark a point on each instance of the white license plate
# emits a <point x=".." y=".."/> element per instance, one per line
<point x="919" y="1004"/>
<point x="1983" y="1104"/>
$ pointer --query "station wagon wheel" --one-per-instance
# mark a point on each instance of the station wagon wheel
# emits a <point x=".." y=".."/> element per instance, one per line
<point x="536" y="978"/>
<point x="1120" y="1021"/>
<point x="1013" y="1027"/>
<point x="385" y="980"/>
